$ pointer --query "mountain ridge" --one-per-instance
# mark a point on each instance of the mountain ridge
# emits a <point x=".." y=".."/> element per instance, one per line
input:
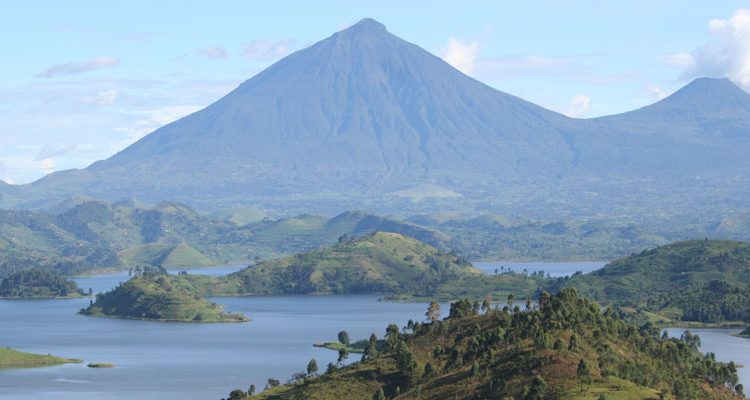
<point x="353" y="119"/>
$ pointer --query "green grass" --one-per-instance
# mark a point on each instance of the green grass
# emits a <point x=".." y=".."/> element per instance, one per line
<point x="10" y="358"/>
<point x="614" y="389"/>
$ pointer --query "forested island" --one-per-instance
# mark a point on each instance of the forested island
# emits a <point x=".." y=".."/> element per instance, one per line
<point x="38" y="283"/>
<point x="10" y="358"/>
<point x="566" y="348"/>
<point x="152" y="294"/>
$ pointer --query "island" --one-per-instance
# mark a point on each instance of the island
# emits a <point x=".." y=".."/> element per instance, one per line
<point x="157" y="296"/>
<point x="10" y="358"/>
<point x="566" y="348"/>
<point x="38" y="283"/>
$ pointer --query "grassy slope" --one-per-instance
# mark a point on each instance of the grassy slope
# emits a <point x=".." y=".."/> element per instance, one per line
<point x="159" y="298"/>
<point x="378" y="263"/>
<point x="10" y="358"/>
<point x="621" y="366"/>
<point x="664" y="269"/>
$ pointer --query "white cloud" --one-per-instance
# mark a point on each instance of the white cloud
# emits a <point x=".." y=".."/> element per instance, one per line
<point x="461" y="55"/>
<point x="103" y="98"/>
<point x="655" y="92"/>
<point x="47" y="166"/>
<point x="680" y="59"/>
<point x="78" y="67"/>
<point x="214" y="52"/>
<point x="265" y="50"/>
<point x="579" y="106"/>
<point x="727" y="54"/>
<point x="150" y="120"/>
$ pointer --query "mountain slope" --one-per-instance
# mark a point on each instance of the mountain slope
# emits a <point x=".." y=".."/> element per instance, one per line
<point x="366" y="119"/>
<point x="567" y="349"/>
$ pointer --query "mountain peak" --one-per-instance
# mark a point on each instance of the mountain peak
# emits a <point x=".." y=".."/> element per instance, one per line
<point x="367" y="24"/>
<point x="705" y="95"/>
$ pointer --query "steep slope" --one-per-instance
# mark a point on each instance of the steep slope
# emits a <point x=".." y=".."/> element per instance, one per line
<point x="567" y="349"/>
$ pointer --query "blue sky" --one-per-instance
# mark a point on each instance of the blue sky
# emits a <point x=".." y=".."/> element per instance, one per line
<point x="83" y="79"/>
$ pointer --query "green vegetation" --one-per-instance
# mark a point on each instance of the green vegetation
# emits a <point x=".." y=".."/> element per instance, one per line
<point x="378" y="263"/>
<point x="154" y="295"/>
<point x="100" y="365"/>
<point x="10" y="358"/>
<point x="566" y="348"/>
<point x="38" y="283"/>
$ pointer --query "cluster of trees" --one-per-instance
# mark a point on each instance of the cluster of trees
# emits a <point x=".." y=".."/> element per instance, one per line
<point x="713" y="302"/>
<point x="37" y="282"/>
<point x="564" y="343"/>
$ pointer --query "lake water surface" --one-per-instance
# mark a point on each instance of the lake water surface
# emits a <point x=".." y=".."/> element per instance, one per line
<point x="205" y="361"/>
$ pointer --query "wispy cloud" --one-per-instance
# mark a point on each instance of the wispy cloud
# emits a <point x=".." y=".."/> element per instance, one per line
<point x="460" y="54"/>
<point x="727" y="54"/>
<point x="214" y="52"/>
<point x="103" y="98"/>
<point x="265" y="50"/>
<point x="50" y="151"/>
<point x="579" y="106"/>
<point x="79" y="67"/>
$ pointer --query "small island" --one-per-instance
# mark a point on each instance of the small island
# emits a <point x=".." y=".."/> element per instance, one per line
<point x="38" y="283"/>
<point x="154" y="295"/>
<point x="100" y="365"/>
<point x="10" y="358"/>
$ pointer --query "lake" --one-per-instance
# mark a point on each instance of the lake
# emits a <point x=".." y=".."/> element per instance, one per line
<point x="205" y="361"/>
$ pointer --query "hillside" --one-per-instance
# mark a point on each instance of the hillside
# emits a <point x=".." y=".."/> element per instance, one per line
<point x="37" y="283"/>
<point x="88" y="234"/>
<point x="157" y="296"/>
<point x="694" y="280"/>
<point x="378" y="263"/>
<point x="567" y="349"/>
<point x="365" y="118"/>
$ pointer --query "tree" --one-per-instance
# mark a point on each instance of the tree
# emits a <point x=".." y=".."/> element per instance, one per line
<point x="379" y="395"/>
<point x="312" y="367"/>
<point x="343" y="355"/>
<point x="510" y="300"/>
<point x="392" y="336"/>
<point x="344" y="337"/>
<point x="372" y="347"/>
<point x="486" y="304"/>
<point x="272" y="383"/>
<point x="433" y="312"/>
<point x="237" y="394"/>
<point x="251" y="390"/>
<point x="537" y="390"/>
<point x="584" y="374"/>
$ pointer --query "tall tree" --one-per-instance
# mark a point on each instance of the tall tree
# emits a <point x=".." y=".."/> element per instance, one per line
<point x="344" y="337"/>
<point x="312" y="367"/>
<point x="433" y="311"/>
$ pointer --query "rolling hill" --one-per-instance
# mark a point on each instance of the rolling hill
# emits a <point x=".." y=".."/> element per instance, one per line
<point x="364" y="119"/>
<point x="567" y="349"/>
<point x="380" y="262"/>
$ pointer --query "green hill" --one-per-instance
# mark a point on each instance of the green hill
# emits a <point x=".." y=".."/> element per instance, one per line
<point x="664" y="269"/>
<point x="10" y="358"/>
<point x="568" y="348"/>
<point x="38" y="283"/>
<point x="378" y="263"/>
<point x="160" y="297"/>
